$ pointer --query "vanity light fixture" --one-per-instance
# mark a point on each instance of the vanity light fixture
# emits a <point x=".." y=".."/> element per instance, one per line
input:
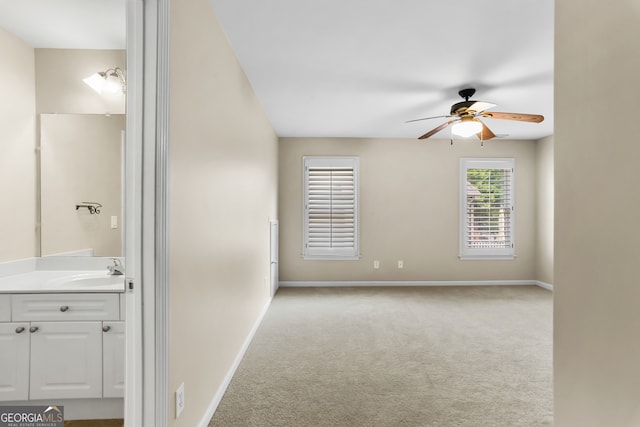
<point x="111" y="81"/>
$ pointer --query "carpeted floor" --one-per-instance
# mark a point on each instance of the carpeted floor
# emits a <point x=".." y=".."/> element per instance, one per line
<point x="423" y="356"/>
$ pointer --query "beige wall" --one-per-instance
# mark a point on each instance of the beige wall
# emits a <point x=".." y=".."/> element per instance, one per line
<point x="409" y="210"/>
<point x="223" y="186"/>
<point x="597" y="292"/>
<point x="18" y="208"/>
<point x="81" y="161"/>
<point x="59" y="85"/>
<point x="544" y="210"/>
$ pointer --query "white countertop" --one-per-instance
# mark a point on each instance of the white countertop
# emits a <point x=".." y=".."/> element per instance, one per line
<point x="55" y="281"/>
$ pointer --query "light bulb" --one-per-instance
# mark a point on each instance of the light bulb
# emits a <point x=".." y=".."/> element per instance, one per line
<point x="95" y="82"/>
<point x="466" y="128"/>
<point x="107" y="82"/>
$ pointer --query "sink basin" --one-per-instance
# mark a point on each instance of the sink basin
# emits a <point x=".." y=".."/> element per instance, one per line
<point x="88" y="280"/>
<point x="62" y="281"/>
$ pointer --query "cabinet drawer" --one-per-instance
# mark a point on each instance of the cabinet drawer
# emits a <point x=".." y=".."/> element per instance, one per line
<point x="5" y="308"/>
<point x="30" y="307"/>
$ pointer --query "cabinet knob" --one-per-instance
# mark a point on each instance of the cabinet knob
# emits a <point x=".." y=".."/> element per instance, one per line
<point x="64" y="308"/>
<point x="33" y="329"/>
<point x="19" y="330"/>
<point x="106" y="328"/>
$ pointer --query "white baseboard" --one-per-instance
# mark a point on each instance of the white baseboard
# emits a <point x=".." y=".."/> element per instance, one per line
<point x="544" y="285"/>
<point x="232" y="370"/>
<point x="392" y="283"/>
<point x="365" y="283"/>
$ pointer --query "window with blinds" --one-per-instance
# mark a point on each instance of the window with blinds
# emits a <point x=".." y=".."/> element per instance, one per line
<point x="487" y="210"/>
<point x="330" y="207"/>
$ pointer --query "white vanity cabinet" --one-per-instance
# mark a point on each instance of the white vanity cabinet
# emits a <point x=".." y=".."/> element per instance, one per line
<point x="66" y="360"/>
<point x="69" y="344"/>
<point x="14" y="361"/>
<point x="113" y="357"/>
<point x="5" y="308"/>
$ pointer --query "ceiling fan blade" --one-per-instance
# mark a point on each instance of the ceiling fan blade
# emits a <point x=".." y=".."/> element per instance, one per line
<point x="426" y="118"/>
<point x="436" y="130"/>
<point x="486" y="133"/>
<point x="531" y="118"/>
<point x="480" y="106"/>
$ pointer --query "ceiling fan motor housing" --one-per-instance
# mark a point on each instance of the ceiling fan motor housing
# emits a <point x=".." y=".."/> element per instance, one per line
<point x="460" y="108"/>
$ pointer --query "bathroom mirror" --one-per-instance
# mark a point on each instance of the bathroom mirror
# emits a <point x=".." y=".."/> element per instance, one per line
<point x="48" y="49"/>
<point x="81" y="182"/>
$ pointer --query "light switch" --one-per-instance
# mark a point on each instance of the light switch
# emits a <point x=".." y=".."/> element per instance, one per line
<point x="114" y="221"/>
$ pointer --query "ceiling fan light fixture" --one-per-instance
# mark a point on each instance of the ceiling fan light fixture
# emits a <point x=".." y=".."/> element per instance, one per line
<point x="466" y="128"/>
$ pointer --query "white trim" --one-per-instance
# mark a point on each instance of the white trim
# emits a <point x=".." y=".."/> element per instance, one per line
<point x="132" y="213"/>
<point x="162" y="218"/>
<point x="467" y="253"/>
<point x="332" y="253"/>
<point x="398" y="283"/>
<point x="488" y="257"/>
<point x="544" y="285"/>
<point x="204" y="422"/>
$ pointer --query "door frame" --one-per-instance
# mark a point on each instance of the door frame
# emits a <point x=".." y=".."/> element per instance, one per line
<point x="146" y="213"/>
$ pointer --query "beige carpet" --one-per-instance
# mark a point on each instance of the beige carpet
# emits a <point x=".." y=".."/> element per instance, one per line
<point x="432" y="356"/>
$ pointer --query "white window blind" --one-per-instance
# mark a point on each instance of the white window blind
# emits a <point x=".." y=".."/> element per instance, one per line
<point x="487" y="210"/>
<point x="330" y="207"/>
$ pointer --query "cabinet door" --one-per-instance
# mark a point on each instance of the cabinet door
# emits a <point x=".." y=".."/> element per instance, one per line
<point x="113" y="359"/>
<point x="14" y="361"/>
<point x="66" y="360"/>
<point x="5" y="308"/>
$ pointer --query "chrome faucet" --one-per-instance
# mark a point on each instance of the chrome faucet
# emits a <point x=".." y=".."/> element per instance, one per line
<point x="116" y="269"/>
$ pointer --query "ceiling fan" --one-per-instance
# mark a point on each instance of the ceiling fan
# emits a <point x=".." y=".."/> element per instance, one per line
<point x="466" y="118"/>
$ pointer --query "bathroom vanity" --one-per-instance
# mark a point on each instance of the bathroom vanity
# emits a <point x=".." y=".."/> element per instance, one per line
<point x="62" y="336"/>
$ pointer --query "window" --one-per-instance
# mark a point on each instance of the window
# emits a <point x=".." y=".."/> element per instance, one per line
<point x="486" y="208"/>
<point x="330" y="207"/>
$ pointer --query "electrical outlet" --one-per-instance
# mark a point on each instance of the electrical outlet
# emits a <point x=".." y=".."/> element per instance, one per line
<point x="179" y="400"/>
<point x="400" y="264"/>
<point x="376" y="264"/>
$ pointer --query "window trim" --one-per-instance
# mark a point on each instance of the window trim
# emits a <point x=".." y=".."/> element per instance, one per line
<point x="485" y="253"/>
<point x="330" y="253"/>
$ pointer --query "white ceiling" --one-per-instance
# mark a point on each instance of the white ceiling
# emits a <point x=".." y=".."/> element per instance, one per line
<point x="352" y="68"/>
<point x="361" y="68"/>
<point x="66" y="24"/>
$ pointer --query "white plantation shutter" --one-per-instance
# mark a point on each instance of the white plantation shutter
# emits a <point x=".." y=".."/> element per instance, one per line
<point x="330" y="207"/>
<point x="487" y="210"/>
